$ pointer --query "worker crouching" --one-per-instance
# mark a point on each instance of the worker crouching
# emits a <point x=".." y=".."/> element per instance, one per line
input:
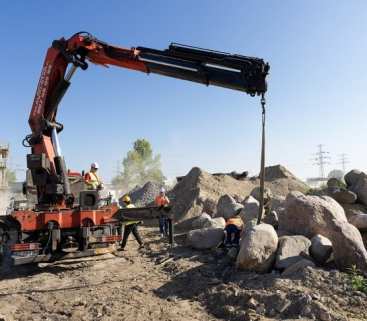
<point x="233" y="230"/>
<point x="130" y="226"/>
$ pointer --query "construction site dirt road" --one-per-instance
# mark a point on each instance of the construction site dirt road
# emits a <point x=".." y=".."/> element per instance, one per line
<point x="160" y="283"/>
<point x="99" y="288"/>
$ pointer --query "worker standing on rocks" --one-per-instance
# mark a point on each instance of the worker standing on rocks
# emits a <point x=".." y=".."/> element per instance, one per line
<point x="92" y="179"/>
<point x="130" y="226"/>
<point x="162" y="200"/>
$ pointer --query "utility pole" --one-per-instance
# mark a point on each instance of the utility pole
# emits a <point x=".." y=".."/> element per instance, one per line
<point x="343" y="160"/>
<point x="321" y="159"/>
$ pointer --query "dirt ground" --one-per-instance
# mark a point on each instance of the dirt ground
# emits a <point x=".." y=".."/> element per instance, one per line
<point x="160" y="283"/>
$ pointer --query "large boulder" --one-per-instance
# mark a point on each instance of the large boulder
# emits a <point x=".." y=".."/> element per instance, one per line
<point x="250" y="212"/>
<point x="359" y="221"/>
<point x="257" y="249"/>
<point x="205" y="238"/>
<point x="352" y="177"/>
<point x="360" y="188"/>
<point x="217" y="222"/>
<point x="311" y="215"/>
<point x="290" y="250"/>
<point x="344" y="196"/>
<point x="357" y="215"/>
<point x="277" y="202"/>
<point x="321" y="248"/>
<point x="255" y="193"/>
<point x="227" y="207"/>
<point x="352" y="210"/>
<point x="200" y="221"/>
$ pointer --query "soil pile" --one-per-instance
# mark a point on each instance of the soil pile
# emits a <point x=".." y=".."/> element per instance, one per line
<point x="200" y="191"/>
<point x="281" y="181"/>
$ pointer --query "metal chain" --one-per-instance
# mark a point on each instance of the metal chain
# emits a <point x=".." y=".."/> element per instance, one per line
<point x="262" y="166"/>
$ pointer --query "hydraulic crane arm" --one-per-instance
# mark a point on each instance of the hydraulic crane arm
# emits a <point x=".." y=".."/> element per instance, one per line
<point x="237" y="72"/>
<point x="184" y="62"/>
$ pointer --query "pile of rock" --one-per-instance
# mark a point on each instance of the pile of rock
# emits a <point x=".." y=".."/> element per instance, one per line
<point x="313" y="230"/>
<point x="352" y="196"/>
<point x="144" y="196"/>
<point x="199" y="191"/>
<point x="310" y="229"/>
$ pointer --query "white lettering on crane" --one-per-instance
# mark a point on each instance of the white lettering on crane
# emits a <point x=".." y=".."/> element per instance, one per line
<point x="42" y="89"/>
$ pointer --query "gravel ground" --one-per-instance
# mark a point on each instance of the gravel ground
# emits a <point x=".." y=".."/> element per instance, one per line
<point x="159" y="283"/>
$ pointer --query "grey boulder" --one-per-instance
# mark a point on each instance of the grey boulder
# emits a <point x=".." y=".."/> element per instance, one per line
<point x="357" y="183"/>
<point x="201" y="221"/>
<point x="227" y="207"/>
<point x="217" y="222"/>
<point x="352" y="177"/>
<point x="344" y="197"/>
<point x="205" y="238"/>
<point x="250" y="212"/>
<point x="257" y="249"/>
<point x="311" y="215"/>
<point x="290" y="250"/>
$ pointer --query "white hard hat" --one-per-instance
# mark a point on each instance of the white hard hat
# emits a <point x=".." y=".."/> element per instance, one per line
<point x="94" y="165"/>
<point x="162" y="190"/>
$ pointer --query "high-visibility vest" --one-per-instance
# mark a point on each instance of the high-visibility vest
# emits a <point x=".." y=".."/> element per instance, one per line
<point x="235" y="221"/>
<point x="130" y="206"/>
<point x="131" y="222"/>
<point x="161" y="200"/>
<point x="92" y="180"/>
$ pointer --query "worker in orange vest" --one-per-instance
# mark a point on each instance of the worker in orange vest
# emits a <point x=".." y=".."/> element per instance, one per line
<point x="233" y="229"/>
<point x="92" y="180"/>
<point x="162" y="200"/>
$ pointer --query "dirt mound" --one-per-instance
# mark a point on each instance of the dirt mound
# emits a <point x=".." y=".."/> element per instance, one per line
<point x="281" y="181"/>
<point x="143" y="196"/>
<point x="200" y="191"/>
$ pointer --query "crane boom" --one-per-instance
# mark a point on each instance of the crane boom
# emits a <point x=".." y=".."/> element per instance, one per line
<point x="208" y="67"/>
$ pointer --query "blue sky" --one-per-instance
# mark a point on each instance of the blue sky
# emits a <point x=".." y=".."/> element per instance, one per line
<point x="317" y="51"/>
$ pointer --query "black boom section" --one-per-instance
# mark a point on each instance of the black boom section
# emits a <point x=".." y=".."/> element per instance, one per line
<point x="208" y="67"/>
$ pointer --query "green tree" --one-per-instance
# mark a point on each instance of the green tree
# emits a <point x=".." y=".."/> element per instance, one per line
<point x="139" y="166"/>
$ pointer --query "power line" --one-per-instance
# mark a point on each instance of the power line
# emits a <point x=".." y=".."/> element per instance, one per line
<point x="343" y="160"/>
<point x="321" y="159"/>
